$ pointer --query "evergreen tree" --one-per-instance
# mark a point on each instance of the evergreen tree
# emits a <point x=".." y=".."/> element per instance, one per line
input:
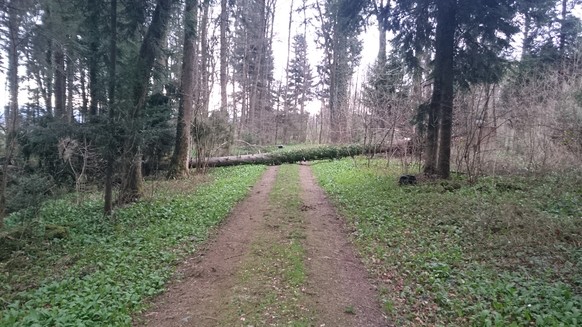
<point x="300" y="83"/>
<point x="341" y="22"/>
<point x="131" y="185"/>
<point x="469" y="40"/>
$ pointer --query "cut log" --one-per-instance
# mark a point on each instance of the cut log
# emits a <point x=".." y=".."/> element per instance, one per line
<point x="306" y="154"/>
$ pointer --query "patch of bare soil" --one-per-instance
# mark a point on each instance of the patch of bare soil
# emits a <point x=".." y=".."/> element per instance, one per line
<point x="337" y="279"/>
<point x="203" y="281"/>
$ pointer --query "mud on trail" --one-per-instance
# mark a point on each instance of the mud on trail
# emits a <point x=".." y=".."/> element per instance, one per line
<point x="282" y="258"/>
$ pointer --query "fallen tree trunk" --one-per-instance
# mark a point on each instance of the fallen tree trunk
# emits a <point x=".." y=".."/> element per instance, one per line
<point x="307" y="154"/>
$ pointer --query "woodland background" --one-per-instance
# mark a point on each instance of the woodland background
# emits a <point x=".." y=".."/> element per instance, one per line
<point x="102" y="93"/>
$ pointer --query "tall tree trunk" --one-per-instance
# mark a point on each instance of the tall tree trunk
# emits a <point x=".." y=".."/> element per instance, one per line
<point x="563" y="29"/>
<point x="526" y="44"/>
<point x="84" y="99"/>
<point x="204" y="66"/>
<point x="132" y="184"/>
<point x="70" y="89"/>
<point x="334" y="106"/>
<point x="223" y="58"/>
<point x="60" y="85"/>
<point x="382" y="15"/>
<point x="267" y="93"/>
<point x="93" y="7"/>
<point x="12" y="119"/>
<point x="180" y="158"/>
<point x="108" y="196"/>
<point x="305" y="89"/>
<point x="287" y="119"/>
<point x="48" y="94"/>
<point x="446" y="24"/>
<point x="237" y="122"/>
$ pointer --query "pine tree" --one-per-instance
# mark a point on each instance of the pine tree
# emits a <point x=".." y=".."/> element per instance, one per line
<point x="299" y="88"/>
<point x="469" y="39"/>
<point x="341" y="22"/>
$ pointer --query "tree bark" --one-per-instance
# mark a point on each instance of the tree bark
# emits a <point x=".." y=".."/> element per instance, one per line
<point x="204" y="67"/>
<point x="179" y="165"/>
<point x="526" y="44"/>
<point x="93" y="7"/>
<point x="84" y="99"/>
<point x="13" y="83"/>
<point x="132" y="184"/>
<point x="223" y="58"/>
<point x="286" y="120"/>
<point x="60" y="86"/>
<point x="440" y="109"/>
<point x="382" y="15"/>
<point x="334" y="107"/>
<point x="12" y="119"/>
<point x="108" y="196"/>
<point x="432" y="130"/>
<point x="446" y="20"/>
<point x="70" y="89"/>
<point x="563" y="29"/>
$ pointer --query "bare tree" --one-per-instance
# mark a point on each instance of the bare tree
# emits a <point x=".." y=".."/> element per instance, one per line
<point x="252" y="63"/>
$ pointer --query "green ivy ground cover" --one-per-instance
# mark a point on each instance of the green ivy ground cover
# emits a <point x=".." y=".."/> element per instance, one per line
<point x="101" y="272"/>
<point x="501" y="252"/>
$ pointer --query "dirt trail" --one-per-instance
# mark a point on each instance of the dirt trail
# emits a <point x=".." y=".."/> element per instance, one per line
<point x="336" y="275"/>
<point x="336" y="283"/>
<point x="205" y="279"/>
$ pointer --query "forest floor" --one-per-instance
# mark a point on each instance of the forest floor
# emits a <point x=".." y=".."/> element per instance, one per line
<point x="283" y="257"/>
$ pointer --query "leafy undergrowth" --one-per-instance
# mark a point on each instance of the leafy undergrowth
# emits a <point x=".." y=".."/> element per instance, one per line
<point x="505" y="251"/>
<point x="271" y="279"/>
<point x="101" y="271"/>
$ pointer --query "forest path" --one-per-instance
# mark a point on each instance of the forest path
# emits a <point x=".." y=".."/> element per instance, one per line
<point x="281" y="258"/>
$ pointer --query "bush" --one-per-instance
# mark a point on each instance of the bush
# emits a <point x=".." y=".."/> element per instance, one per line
<point x="28" y="192"/>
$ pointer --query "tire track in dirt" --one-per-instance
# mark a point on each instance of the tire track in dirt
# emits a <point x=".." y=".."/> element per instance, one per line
<point x="336" y="277"/>
<point x="203" y="281"/>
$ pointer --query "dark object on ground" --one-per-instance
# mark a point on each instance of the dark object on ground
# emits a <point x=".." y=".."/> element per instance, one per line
<point x="407" y="180"/>
<point x="280" y="146"/>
